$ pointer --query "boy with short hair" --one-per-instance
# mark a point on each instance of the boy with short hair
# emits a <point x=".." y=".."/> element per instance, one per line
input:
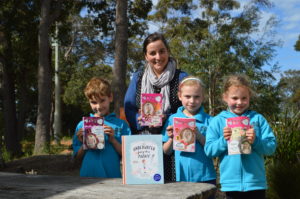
<point x="104" y="163"/>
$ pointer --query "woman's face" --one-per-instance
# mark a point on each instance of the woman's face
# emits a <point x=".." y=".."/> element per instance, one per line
<point x="157" y="56"/>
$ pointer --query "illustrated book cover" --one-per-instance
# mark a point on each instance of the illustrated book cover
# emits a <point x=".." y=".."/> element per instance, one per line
<point x="142" y="159"/>
<point x="184" y="130"/>
<point x="151" y="109"/>
<point x="238" y="143"/>
<point x="93" y="134"/>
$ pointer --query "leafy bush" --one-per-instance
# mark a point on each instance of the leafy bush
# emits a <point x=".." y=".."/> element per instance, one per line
<point x="283" y="168"/>
<point x="284" y="181"/>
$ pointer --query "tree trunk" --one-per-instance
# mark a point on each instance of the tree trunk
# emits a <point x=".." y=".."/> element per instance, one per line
<point x="120" y="64"/>
<point x="42" y="136"/>
<point x="57" y="100"/>
<point x="8" y="96"/>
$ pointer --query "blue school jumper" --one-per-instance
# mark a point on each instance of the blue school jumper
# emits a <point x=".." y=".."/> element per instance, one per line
<point x="192" y="166"/>
<point x="241" y="172"/>
<point x="104" y="163"/>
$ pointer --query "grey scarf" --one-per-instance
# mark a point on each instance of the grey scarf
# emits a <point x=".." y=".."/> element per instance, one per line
<point x="149" y="80"/>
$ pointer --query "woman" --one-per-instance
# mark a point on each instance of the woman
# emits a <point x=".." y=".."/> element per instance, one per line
<point x="160" y="75"/>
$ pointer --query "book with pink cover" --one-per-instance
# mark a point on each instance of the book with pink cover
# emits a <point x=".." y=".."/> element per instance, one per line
<point x="184" y="132"/>
<point x="151" y="109"/>
<point x="238" y="143"/>
<point x="93" y="134"/>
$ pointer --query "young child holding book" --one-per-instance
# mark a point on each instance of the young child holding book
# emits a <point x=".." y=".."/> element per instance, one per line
<point x="191" y="166"/>
<point x="104" y="162"/>
<point x="241" y="175"/>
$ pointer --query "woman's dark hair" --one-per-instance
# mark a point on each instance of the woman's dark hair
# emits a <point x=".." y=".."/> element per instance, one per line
<point x="152" y="38"/>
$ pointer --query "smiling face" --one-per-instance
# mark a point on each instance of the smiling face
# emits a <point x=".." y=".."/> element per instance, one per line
<point x="237" y="99"/>
<point x="100" y="105"/>
<point x="157" y="55"/>
<point x="191" y="97"/>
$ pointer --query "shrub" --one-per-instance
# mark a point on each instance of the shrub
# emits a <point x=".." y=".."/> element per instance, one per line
<point x="283" y="168"/>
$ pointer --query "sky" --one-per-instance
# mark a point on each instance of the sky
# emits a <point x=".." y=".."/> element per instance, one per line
<point x="288" y="30"/>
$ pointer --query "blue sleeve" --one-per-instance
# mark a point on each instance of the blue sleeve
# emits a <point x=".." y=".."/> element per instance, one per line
<point x="131" y="111"/>
<point x="264" y="144"/>
<point x="125" y="130"/>
<point x="215" y="144"/>
<point x="76" y="143"/>
<point x="182" y="75"/>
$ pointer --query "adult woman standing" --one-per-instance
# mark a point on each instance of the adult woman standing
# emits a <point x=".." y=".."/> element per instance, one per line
<point x="160" y="75"/>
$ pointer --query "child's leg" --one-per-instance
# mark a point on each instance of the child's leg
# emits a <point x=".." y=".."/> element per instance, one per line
<point x="257" y="194"/>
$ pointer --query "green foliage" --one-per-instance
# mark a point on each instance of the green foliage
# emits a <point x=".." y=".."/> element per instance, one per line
<point x="283" y="181"/>
<point x="283" y="168"/>
<point x="210" y="42"/>
<point x="73" y="94"/>
<point x="289" y="88"/>
<point x="287" y="130"/>
<point x="6" y="155"/>
<point x="297" y="45"/>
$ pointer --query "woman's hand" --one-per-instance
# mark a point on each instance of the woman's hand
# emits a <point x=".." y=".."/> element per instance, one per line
<point x="227" y="132"/>
<point x="79" y="135"/>
<point x="170" y="132"/>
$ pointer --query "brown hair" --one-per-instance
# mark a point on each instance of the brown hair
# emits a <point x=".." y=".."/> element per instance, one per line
<point x="152" y="38"/>
<point x="238" y="81"/>
<point x="97" y="87"/>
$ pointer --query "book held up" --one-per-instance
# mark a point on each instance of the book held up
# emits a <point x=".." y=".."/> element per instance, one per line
<point x="184" y="134"/>
<point x="142" y="159"/>
<point x="151" y="109"/>
<point x="238" y="143"/>
<point x="93" y="134"/>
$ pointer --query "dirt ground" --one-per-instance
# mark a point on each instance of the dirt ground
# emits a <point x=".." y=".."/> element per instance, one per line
<point x="62" y="164"/>
<point x="59" y="164"/>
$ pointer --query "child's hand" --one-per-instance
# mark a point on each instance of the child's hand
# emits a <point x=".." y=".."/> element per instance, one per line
<point x="79" y="135"/>
<point x="110" y="132"/>
<point x="199" y="137"/>
<point x="227" y="132"/>
<point x="170" y="132"/>
<point x="250" y="134"/>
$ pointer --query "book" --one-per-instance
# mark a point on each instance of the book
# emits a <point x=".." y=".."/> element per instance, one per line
<point x="238" y="143"/>
<point x="184" y="134"/>
<point x="151" y="109"/>
<point x="142" y="159"/>
<point x="93" y="134"/>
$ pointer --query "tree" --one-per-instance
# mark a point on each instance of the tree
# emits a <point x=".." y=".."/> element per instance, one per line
<point x="120" y="65"/>
<point x="17" y="58"/>
<point x="211" y="41"/>
<point x="289" y="86"/>
<point x="297" y="45"/>
<point x="42" y="136"/>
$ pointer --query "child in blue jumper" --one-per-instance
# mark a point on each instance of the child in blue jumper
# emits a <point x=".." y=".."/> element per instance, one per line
<point x="242" y="176"/>
<point x="191" y="166"/>
<point x="104" y="163"/>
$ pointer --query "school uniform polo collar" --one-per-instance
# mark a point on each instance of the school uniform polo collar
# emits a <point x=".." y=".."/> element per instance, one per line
<point x="108" y="117"/>
<point x="199" y="116"/>
<point x="228" y="113"/>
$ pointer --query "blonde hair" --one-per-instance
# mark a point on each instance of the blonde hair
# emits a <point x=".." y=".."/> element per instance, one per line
<point x="97" y="87"/>
<point x="238" y="81"/>
<point x="191" y="81"/>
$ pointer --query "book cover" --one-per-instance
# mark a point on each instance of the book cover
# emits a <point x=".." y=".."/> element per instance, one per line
<point x="142" y="159"/>
<point x="184" y="134"/>
<point x="151" y="109"/>
<point x="93" y="134"/>
<point x="238" y="143"/>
